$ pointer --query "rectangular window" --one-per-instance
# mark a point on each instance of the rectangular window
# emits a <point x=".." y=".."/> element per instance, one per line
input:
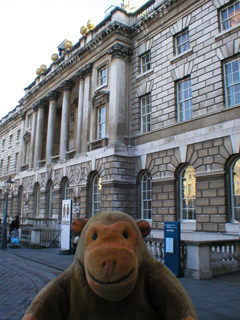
<point x="71" y="144"/>
<point x="27" y="152"/>
<point x="230" y="16"/>
<point x="30" y="122"/>
<point x="184" y="100"/>
<point x="145" y="62"/>
<point x="146" y="110"/>
<point x="3" y="144"/>
<point x="8" y="163"/>
<point x="72" y="117"/>
<point x="102" y="76"/>
<point x="232" y="82"/>
<point x="10" y="140"/>
<point x="16" y="161"/>
<point x="1" y="167"/>
<point x="18" y="134"/>
<point x="182" y="42"/>
<point x="101" y="122"/>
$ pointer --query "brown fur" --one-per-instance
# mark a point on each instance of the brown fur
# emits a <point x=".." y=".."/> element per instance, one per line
<point x="113" y="276"/>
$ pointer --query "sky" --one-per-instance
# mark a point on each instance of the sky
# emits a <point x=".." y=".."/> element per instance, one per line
<point x="30" y="32"/>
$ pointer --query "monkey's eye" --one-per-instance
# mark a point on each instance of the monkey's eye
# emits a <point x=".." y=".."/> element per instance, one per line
<point x="95" y="236"/>
<point x="125" y="234"/>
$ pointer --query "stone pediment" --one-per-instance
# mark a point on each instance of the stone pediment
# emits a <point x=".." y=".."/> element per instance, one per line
<point x="100" y="97"/>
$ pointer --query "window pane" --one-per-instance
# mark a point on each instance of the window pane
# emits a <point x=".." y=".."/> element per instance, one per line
<point x="182" y="42"/>
<point x="146" y="114"/>
<point x="232" y="82"/>
<point x="235" y="176"/>
<point x="146" y="196"/>
<point x="187" y="192"/>
<point x="145" y="62"/>
<point x="230" y="16"/>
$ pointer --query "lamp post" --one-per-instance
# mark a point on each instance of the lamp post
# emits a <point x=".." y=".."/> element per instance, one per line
<point x="9" y="184"/>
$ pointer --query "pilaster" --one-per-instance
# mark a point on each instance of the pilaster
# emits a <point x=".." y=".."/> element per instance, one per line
<point x="33" y="136"/>
<point x="53" y="96"/>
<point x="39" y="132"/>
<point x="117" y="103"/>
<point x="21" y="149"/>
<point x="67" y="87"/>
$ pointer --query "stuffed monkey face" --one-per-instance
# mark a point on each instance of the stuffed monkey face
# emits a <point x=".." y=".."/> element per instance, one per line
<point x="111" y="263"/>
<point x="110" y="252"/>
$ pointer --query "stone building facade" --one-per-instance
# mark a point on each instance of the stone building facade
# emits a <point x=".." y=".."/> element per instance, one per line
<point x="141" y="115"/>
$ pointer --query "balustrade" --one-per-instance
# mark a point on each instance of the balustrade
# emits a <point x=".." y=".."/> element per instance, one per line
<point x="145" y="10"/>
<point x="223" y="253"/>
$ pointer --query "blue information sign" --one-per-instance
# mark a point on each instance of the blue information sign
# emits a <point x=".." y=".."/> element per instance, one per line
<point x="172" y="246"/>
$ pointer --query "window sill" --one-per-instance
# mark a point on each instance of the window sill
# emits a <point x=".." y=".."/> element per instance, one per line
<point x="101" y="87"/>
<point x="188" y="225"/>
<point x="181" y="55"/>
<point x="232" y="227"/>
<point x="98" y="144"/>
<point x="144" y="74"/>
<point x="223" y="33"/>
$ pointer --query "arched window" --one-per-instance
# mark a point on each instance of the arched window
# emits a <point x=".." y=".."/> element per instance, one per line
<point x="96" y="187"/>
<point x="146" y="196"/>
<point x="235" y="189"/>
<point x="49" y="199"/>
<point x="187" y="193"/>
<point x="66" y="190"/>
<point x="36" y="199"/>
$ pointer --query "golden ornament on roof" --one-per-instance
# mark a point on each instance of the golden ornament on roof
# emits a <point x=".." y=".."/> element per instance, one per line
<point x="54" y="57"/>
<point x="90" y="25"/>
<point x="83" y="31"/>
<point x="43" y="68"/>
<point x="68" y="45"/>
<point x="38" y="71"/>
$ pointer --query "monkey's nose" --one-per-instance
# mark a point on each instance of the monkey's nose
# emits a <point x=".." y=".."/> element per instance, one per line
<point x="107" y="264"/>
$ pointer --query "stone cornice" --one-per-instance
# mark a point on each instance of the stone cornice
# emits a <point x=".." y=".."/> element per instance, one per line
<point x="115" y="27"/>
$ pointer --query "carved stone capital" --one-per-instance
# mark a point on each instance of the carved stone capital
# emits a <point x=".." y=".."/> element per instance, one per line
<point x="39" y="104"/>
<point x="53" y="95"/>
<point x="85" y="71"/>
<point x="67" y="85"/>
<point x="23" y="115"/>
<point x="119" y="51"/>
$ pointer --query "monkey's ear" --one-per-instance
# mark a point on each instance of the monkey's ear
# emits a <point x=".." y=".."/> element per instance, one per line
<point x="78" y="225"/>
<point x="144" y="227"/>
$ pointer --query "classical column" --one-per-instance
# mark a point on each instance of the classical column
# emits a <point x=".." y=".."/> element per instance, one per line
<point x="39" y="133"/>
<point x="21" y="149"/>
<point x="86" y="106"/>
<point x="52" y="112"/>
<point x="33" y="136"/>
<point x="117" y="103"/>
<point x="67" y="87"/>
<point x="80" y="111"/>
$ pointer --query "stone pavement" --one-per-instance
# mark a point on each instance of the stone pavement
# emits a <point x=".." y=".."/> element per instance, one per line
<point x="23" y="272"/>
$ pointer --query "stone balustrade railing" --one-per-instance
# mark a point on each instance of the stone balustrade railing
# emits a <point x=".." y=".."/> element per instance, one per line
<point x="144" y="10"/>
<point x="39" y="223"/>
<point x="202" y="259"/>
